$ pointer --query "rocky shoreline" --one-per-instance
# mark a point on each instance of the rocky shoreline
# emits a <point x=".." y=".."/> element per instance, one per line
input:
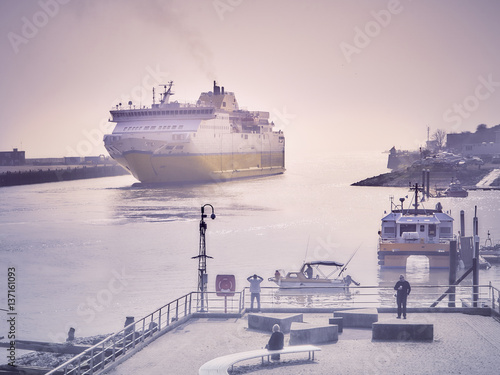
<point x="44" y="361"/>
<point x="440" y="177"/>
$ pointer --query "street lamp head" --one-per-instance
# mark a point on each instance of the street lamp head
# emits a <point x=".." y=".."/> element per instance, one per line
<point x="203" y="211"/>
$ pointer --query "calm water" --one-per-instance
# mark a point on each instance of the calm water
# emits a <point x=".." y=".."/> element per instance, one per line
<point x="88" y="253"/>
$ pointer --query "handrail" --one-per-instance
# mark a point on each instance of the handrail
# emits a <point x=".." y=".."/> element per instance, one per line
<point x="107" y="350"/>
<point x="111" y="350"/>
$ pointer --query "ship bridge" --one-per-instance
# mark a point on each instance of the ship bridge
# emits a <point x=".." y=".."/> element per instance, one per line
<point x="400" y="228"/>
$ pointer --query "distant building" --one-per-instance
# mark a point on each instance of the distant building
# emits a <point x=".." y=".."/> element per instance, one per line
<point x="46" y="161"/>
<point x="14" y="157"/>
<point x="484" y="142"/>
<point x="72" y="160"/>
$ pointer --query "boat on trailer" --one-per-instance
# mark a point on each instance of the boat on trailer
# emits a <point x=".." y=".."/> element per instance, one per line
<point x="314" y="275"/>
<point x="490" y="252"/>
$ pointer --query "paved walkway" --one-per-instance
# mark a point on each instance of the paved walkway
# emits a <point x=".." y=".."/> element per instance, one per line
<point x="489" y="178"/>
<point x="463" y="344"/>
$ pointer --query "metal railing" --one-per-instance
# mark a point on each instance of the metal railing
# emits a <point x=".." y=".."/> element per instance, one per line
<point x="117" y="347"/>
<point x="422" y="296"/>
<point x="123" y="344"/>
<point x="105" y="353"/>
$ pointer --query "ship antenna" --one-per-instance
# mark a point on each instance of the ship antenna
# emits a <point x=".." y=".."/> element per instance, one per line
<point x="166" y="93"/>
<point x="153" y="95"/>
<point x="307" y="248"/>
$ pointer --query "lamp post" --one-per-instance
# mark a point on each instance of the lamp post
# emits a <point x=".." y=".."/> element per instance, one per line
<point x="202" y="260"/>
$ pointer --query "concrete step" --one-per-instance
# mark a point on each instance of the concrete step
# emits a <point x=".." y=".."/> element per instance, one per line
<point x="305" y="333"/>
<point x="357" y="318"/>
<point x="402" y="331"/>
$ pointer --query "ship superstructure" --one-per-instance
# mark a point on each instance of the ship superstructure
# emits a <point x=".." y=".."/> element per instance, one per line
<point x="415" y="231"/>
<point x="211" y="140"/>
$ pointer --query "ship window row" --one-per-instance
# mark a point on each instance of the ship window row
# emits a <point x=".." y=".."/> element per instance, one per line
<point x="215" y="127"/>
<point x="165" y="113"/>
<point x="431" y="229"/>
<point x="162" y="127"/>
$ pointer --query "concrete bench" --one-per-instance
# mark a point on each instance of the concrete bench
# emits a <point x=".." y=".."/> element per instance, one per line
<point x="304" y="333"/>
<point x="358" y="318"/>
<point x="265" y="322"/>
<point x="402" y="331"/>
<point x="221" y="365"/>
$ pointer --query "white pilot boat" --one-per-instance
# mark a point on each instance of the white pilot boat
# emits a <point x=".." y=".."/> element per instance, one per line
<point x="413" y="231"/>
<point x="312" y="275"/>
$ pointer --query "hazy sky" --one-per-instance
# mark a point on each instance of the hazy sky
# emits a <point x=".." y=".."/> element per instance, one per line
<point x="335" y="75"/>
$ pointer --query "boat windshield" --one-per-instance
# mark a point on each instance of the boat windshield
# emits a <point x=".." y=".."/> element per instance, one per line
<point x="324" y="263"/>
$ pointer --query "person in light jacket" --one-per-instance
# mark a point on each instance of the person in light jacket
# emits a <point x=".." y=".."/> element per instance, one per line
<point x="255" y="290"/>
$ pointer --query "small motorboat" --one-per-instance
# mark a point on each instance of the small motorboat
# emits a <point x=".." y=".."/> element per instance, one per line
<point x="311" y="275"/>
<point x="456" y="190"/>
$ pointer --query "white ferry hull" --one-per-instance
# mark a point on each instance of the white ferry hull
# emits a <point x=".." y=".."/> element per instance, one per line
<point x="212" y="140"/>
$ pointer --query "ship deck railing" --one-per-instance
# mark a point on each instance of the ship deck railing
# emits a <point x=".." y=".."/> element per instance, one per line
<point x="118" y="347"/>
<point x="180" y="104"/>
<point x="444" y="240"/>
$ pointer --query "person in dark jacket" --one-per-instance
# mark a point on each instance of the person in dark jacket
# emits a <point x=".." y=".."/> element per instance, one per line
<point x="276" y="342"/>
<point x="402" y="289"/>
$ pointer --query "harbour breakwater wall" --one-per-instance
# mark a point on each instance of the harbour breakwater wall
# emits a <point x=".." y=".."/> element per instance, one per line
<point x="440" y="178"/>
<point x="38" y="176"/>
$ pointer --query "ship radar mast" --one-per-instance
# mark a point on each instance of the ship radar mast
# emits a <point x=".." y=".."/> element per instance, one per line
<point x="167" y="92"/>
<point x="417" y="189"/>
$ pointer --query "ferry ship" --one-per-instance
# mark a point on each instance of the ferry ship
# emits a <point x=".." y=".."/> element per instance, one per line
<point x="211" y="140"/>
<point x="415" y="231"/>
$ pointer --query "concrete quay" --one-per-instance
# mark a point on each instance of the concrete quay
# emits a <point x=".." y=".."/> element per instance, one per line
<point x="462" y="344"/>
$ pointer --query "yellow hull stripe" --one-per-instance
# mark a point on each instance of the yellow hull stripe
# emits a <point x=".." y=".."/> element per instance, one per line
<point x="149" y="168"/>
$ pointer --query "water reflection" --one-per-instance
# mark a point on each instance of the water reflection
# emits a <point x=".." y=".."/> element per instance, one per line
<point x="314" y="297"/>
<point x="163" y="203"/>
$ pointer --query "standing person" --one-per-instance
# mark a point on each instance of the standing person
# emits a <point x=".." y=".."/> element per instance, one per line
<point x="276" y="342"/>
<point x="255" y="289"/>
<point x="402" y="289"/>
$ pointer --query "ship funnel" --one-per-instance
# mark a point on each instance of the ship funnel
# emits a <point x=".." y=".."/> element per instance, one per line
<point x="216" y="89"/>
<point x="222" y="88"/>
